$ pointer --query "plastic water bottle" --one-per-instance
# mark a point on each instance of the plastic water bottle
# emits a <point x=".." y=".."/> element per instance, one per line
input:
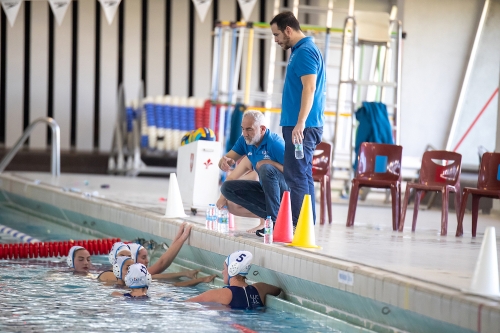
<point x="299" y="151"/>
<point x="224" y="220"/>
<point x="209" y="217"/>
<point x="268" y="231"/>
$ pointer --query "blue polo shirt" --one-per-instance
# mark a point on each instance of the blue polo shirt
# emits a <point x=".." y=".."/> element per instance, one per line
<point x="305" y="59"/>
<point x="271" y="148"/>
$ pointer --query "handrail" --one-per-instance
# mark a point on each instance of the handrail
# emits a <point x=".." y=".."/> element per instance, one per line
<point x="55" y="167"/>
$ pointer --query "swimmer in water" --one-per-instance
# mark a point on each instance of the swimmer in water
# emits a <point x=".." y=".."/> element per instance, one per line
<point x="138" y="280"/>
<point x="140" y="255"/>
<point x="122" y="264"/>
<point x="238" y="294"/>
<point x="79" y="259"/>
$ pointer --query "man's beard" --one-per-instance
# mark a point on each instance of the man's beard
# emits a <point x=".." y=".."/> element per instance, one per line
<point x="286" y="43"/>
<point x="254" y="140"/>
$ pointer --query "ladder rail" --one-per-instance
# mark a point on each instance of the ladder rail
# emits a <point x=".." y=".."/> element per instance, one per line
<point x="55" y="165"/>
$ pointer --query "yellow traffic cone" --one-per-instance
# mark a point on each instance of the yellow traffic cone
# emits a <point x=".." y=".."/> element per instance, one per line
<point x="304" y="233"/>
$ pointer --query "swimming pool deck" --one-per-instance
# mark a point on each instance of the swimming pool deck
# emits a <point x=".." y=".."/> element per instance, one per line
<point x="419" y="271"/>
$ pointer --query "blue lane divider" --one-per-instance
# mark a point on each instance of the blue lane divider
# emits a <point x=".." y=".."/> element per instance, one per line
<point x="17" y="234"/>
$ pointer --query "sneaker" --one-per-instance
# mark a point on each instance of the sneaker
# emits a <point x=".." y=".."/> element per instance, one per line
<point x="260" y="232"/>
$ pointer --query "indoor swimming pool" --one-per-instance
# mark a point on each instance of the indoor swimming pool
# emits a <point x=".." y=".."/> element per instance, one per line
<point x="364" y="278"/>
<point x="44" y="295"/>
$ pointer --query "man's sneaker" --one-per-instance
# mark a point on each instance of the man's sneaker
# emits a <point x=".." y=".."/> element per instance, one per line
<point x="260" y="232"/>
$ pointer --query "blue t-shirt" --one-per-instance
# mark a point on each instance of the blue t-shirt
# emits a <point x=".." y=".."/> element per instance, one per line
<point x="271" y="148"/>
<point x="305" y="59"/>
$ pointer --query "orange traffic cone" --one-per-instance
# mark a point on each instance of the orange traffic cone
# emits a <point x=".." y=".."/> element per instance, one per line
<point x="304" y="233"/>
<point x="283" y="230"/>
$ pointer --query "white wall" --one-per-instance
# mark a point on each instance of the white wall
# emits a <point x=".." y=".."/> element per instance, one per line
<point x="435" y="53"/>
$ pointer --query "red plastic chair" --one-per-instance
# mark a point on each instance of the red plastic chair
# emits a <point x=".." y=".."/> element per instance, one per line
<point x="321" y="173"/>
<point x="435" y="177"/>
<point x="379" y="166"/>
<point x="488" y="185"/>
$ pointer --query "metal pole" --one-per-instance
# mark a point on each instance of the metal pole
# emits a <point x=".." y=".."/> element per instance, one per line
<point x="55" y="166"/>
<point x="465" y="83"/>
<point x="341" y="90"/>
<point x="248" y="76"/>
<point x="215" y="73"/>
<point x="398" y="85"/>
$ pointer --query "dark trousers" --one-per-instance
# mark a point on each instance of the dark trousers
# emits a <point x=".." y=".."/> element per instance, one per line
<point x="298" y="172"/>
<point x="262" y="198"/>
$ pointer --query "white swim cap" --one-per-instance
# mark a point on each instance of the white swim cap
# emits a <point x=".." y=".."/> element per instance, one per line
<point x="117" y="247"/>
<point x="137" y="277"/>
<point x="71" y="255"/>
<point x="118" y="266"/>
<point x="239" y="263"/>
<point x="134" y="250"/>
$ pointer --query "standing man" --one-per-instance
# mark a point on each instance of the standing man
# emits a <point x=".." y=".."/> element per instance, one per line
<point x="265" y="150"/>
<point x="303" y="105"/>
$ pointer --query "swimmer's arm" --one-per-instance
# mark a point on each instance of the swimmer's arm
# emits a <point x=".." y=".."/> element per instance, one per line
<point x="116" y="294"/>
<point x="168" y="257"/>
<point x="194" y="282"/>
<point x="264" y="289"/>
<point x="176" y="275"/>
<point x="222" y="296"/>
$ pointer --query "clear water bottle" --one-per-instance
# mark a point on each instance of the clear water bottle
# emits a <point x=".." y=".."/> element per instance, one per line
<point x="268" y="231"/>
<point x="299" y="151"/>
<point x="224" y="220"/>
<point x="209" y="217"/>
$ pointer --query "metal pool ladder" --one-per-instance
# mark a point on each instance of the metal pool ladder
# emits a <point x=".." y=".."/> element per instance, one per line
<point x="55" y="166"/>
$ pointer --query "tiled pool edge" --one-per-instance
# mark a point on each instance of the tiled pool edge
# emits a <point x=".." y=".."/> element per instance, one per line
<point x="376" y="290"/>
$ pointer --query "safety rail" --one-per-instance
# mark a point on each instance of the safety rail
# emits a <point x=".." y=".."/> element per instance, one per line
<point x="55" y="167"/>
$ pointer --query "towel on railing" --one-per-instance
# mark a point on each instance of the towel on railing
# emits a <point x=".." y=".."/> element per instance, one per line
<point x="374" y="126"/>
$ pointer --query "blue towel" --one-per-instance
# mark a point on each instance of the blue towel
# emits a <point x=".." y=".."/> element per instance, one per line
<point x="374" y="126"/>
<point x="235" y="128"/>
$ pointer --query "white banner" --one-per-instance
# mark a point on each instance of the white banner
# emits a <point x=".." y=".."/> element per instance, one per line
<point x="11" y="8"/>
<point x="246" y="7"/>
<point x="201" y="7"/>
<point x="59" y="8"/>
<point x="110" y="7"/>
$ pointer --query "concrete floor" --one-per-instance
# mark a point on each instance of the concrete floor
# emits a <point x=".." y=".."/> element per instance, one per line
<point x="423" y="255"/>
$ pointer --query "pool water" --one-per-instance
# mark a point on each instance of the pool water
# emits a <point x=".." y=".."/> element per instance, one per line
<point x="44" y="295"/>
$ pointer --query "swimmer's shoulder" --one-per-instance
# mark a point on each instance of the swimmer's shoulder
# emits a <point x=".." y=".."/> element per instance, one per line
<point x="107" y="276"/>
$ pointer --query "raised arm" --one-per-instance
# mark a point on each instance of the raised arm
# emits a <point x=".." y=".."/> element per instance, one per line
<point x="168" y="257"/>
